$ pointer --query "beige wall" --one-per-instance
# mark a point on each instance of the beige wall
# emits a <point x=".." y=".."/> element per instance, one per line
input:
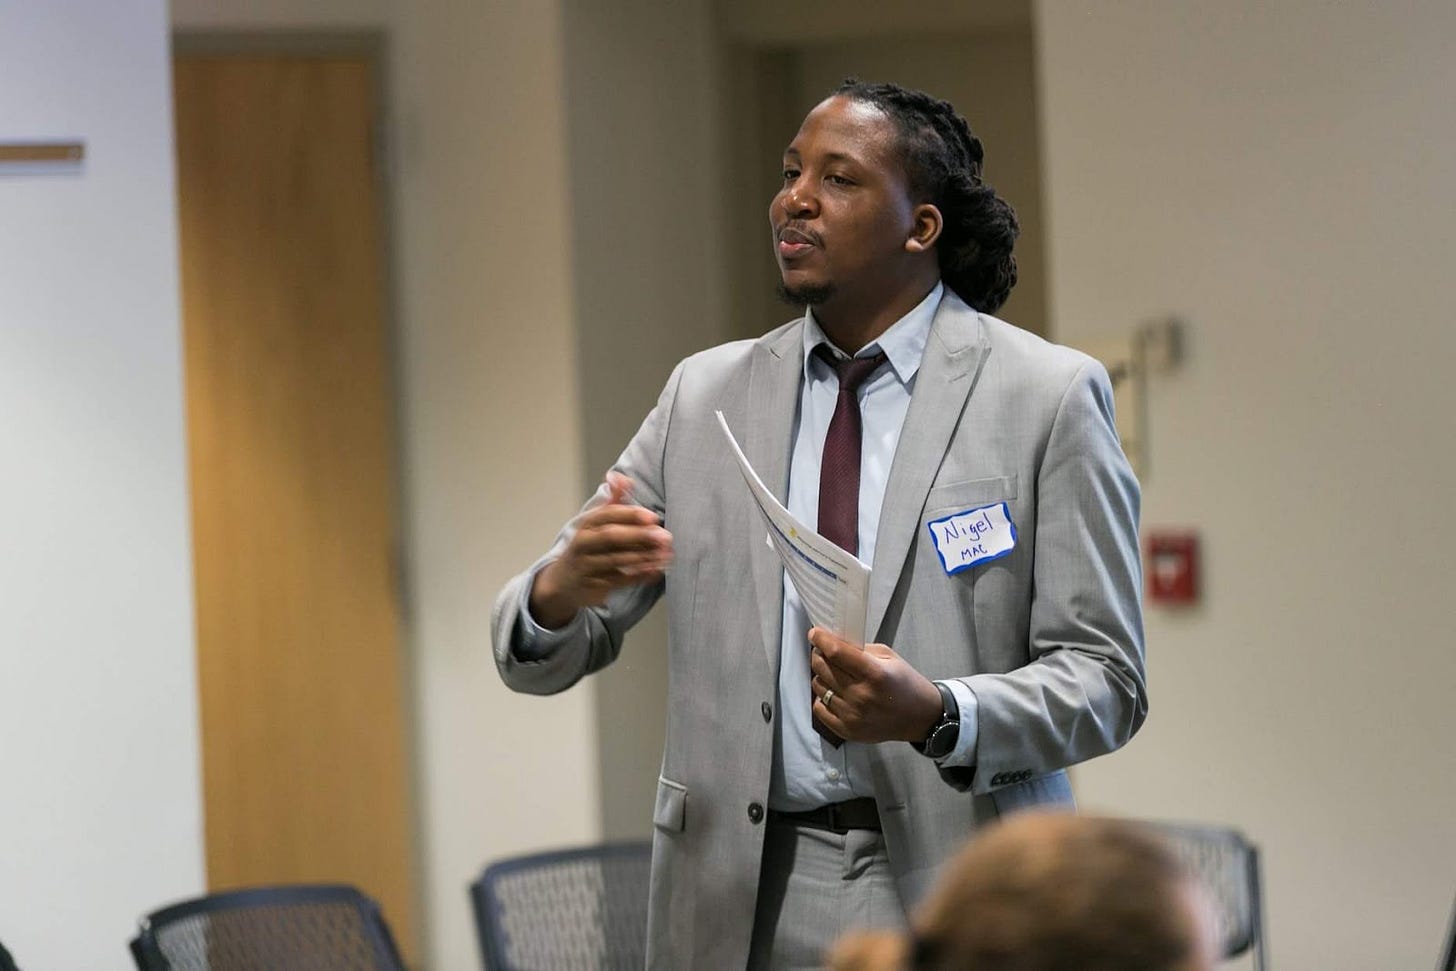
<point x="552" y="182"/>
<point x="280" y="14"/>
<point x="647" y="240"/>
<point x="780" y="61"/>
<point x="100" y="811"/>
<point x="1281" y="175"/>
<point x="1276" y="176"/>
<point x="492" y="428"/>
<point x="990" y="78"/>
<point x="769" y="23"/>
<point x="490" y="412"/>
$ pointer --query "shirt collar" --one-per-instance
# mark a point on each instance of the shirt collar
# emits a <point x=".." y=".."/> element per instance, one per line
<point x="903" y="343"/>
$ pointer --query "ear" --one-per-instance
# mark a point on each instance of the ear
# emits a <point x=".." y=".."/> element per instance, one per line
<point x="924" y="229"/>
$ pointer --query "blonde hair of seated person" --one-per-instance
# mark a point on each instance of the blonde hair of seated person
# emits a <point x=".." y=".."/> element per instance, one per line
<point x="1051" y="891"/>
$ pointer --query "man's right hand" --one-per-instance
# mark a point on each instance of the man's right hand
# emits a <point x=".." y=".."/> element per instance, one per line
<point x="615" y="545"/>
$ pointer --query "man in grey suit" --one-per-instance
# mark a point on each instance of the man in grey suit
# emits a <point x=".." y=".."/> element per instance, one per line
<point x="810" y="785"/>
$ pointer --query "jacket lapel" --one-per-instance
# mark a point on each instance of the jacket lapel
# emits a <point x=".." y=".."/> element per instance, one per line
<point x="953" y="357"/>
<point x="773" y="403"/>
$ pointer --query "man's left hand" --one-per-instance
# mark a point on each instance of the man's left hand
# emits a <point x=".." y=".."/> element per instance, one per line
<point x="876" y="695"/>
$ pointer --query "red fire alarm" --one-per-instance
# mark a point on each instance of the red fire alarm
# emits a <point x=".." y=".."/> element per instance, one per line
<point x="1172" y="568"/>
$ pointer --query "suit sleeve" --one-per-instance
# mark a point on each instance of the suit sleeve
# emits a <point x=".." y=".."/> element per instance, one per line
<point x="1083" y="692"/>
<point x="537" y="662"/>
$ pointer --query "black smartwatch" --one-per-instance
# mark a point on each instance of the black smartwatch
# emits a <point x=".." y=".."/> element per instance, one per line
<point x="942" y="738"/>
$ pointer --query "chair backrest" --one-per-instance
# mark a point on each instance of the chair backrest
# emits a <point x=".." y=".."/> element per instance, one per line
<point x="1448" y="953"/>
<point x="1228" y="866"/>
<point x="577" y="908"/>
<point x="7" y="963"/>
<point x="284" y="928"/>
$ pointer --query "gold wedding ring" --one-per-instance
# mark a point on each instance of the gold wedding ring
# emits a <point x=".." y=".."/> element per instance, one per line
<point x="828" y="697"/>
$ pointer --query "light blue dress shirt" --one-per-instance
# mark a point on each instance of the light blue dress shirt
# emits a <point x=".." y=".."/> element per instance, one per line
<point x="807" y="771"/>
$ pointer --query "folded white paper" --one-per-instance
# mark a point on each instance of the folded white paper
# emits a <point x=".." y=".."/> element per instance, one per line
<point x="832" y="583"/>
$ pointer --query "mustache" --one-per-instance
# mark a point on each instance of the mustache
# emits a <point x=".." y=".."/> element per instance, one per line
<point x="796" y="232"/>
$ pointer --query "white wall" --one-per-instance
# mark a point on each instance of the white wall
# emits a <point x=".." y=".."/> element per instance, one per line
<point x="100" y="816"/>
<point x="1282" y="175"/>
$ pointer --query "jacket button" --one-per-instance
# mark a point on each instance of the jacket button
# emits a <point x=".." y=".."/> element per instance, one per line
<point x="767" y="710"/>
<point x="755" y="813"/>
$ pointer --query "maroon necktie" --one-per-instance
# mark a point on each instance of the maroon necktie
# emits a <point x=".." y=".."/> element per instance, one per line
<point x="839" y="467"/>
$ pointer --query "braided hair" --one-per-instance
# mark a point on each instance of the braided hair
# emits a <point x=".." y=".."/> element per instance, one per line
<point x="943" y="165"/>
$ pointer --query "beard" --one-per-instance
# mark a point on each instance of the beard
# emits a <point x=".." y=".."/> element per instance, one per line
<point x="805" y="296"/>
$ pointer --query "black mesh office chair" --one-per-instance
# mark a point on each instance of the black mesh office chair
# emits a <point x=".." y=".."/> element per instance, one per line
<point x="1448" y="954"/>
<point x="1228" y="866"/>
<point x="285" y="928"/>
<point x="573" y="909"/>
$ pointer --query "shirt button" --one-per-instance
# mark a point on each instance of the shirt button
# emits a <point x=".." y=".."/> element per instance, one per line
<point x="755" y="813"/>
<point x="833" y="775"/>
<point x="767" y="710"/>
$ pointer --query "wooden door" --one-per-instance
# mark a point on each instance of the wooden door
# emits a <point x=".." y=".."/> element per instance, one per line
<point x="306" y="766"/>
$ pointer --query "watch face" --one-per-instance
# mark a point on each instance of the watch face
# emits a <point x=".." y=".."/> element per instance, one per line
<point x="942" y="740"/>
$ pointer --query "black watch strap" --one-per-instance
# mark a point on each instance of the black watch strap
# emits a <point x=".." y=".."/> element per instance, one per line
<point x="942" y="738"/>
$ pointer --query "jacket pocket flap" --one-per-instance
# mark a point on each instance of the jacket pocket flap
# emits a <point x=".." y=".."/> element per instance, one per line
<point x="970" y="493"/>
<point x="670" y="811"/>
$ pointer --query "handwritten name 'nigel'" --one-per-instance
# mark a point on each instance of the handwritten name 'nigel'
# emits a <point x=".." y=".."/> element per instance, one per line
<point x="970" y="529"/>
<point x="973" y="536"/>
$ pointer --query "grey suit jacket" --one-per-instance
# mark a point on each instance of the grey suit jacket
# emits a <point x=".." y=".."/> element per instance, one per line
<point x="1048" y="637"/>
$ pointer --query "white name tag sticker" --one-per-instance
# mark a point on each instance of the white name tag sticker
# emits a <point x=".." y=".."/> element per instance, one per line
<point x="979" y="535"/>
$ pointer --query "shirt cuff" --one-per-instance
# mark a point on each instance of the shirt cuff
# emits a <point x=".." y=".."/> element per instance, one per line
<point x="964" y="753"/>
<point x="534" y="642"/>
